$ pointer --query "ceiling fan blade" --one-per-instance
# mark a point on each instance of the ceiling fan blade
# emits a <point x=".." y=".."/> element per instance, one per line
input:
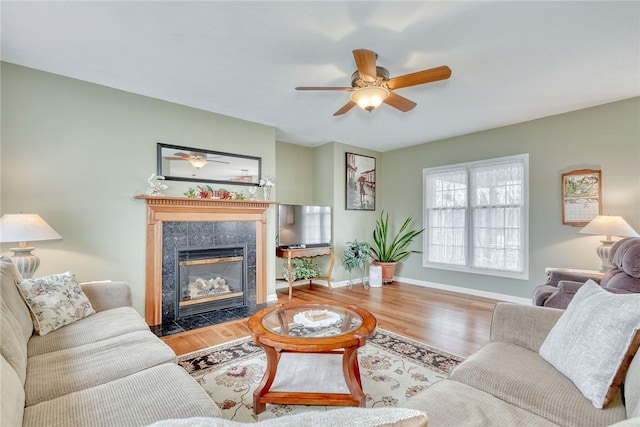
<point x="176" y="158"/>
<point x="183" y="155"/>
<point x="366" y="64"/>
<point x="219" y="161"/>
<point x="420" y="77"/>
<point x="400" y="102"/>
<point x="322" y="88"/>
<point x="348" y="106"/>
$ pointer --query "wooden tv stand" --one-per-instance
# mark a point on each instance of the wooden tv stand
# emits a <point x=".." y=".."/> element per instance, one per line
<point x="289" y="254"/>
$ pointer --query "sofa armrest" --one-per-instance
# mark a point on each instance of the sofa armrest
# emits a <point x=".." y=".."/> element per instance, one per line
<point x="106" y="294"/>
<point x="523" y="325"/>
<point x="555" y="275"/>
<point x="569" y="286"/>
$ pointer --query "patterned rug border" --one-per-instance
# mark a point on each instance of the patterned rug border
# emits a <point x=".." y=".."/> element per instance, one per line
<point x="201" y="362"/>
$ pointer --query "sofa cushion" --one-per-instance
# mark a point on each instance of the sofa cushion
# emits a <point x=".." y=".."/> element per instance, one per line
<point x="54" y="374"/>
<point x="450" y="403"/>
<point x="12" y="345"/>
<point x="521" y="377"/>
<point x="9" y="277"/>
<point x="594" y="341"/>
<point x="11" y="395"/>
<point x="354" y="417"/>
<point x="55" y="300"/>
<point x="91" y="329"/>
<point x="158" y="393"/>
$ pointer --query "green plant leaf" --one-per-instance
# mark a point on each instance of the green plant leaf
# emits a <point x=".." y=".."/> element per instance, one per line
<point x="393" y="250"/>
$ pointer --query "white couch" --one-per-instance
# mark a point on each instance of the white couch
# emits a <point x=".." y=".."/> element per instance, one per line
<point x="106" y="369"/>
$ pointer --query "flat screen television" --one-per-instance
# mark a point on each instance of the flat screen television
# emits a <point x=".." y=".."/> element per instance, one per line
<point x="304" y="226"/>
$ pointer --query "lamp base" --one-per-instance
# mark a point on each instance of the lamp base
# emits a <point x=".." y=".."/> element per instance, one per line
<point x="26" y="262"/>
<point x="603" y="252"/>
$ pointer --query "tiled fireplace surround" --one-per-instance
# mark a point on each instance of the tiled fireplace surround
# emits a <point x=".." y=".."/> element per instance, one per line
<point x="183" y="222"/>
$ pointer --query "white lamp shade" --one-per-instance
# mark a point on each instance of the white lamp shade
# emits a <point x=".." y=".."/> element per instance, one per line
<point x="609" y="225"/>
<point x="25" y="228"/>
<point x="369" y="97"/>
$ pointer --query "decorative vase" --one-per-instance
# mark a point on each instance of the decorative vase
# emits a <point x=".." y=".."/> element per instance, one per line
<point x="252" y="193"/>
<point x="266" y="190"/>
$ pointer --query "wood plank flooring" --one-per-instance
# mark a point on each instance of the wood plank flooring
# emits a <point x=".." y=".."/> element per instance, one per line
<point x="455" y="323"/>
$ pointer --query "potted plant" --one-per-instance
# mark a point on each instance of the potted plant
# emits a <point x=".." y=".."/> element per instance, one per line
<point x="301" y="269"/>
<point x="388" y="251"/>
<point x="355" y="255"/>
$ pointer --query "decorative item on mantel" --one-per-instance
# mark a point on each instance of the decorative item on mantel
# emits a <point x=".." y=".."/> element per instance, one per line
<point x="267" y="185"/>
<point x="207" y="192"/>
<point x="252" y="193"/>
<point x="608" y="225"/>
<point x="155" y="188"/>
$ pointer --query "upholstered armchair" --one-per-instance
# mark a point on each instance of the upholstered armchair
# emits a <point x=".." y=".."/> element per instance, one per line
<point x="623" y="278"/>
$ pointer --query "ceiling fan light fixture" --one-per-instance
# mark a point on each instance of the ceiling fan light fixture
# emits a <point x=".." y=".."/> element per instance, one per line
<point x="369" y="97"/>
<point x="198" y="161"/>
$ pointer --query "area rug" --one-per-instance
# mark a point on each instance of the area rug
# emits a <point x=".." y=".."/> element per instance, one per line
<point x="393" y="368"/>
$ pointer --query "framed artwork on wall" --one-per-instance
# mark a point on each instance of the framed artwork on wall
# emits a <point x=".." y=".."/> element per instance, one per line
<point x="360" y="182"/>
<point x="581" y="196"/>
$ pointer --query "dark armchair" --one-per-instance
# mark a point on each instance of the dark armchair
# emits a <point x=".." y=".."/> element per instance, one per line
<point x="623" y="278"/>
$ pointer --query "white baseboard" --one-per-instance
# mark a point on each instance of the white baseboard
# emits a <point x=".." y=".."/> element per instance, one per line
<point x="284" y="285"/>
<point x="466" y="291"/>
<point x="432" y="285"/>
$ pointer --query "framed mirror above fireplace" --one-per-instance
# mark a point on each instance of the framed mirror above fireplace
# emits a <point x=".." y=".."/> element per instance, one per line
<point x="180" y="163"/>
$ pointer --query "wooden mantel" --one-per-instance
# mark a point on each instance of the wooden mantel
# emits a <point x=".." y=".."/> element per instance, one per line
<point x="183" y="209"/>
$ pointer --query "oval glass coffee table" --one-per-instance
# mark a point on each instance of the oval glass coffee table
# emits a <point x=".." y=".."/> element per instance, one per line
<point x="312" y="353"/>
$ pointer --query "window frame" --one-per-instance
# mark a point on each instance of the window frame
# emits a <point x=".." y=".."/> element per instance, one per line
<point x="469" y="229"/>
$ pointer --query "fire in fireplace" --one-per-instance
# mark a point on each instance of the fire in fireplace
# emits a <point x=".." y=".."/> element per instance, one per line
<point x="210" y="279"/>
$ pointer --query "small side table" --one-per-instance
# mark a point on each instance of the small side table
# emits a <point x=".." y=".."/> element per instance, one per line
<point x="290" y="254"/>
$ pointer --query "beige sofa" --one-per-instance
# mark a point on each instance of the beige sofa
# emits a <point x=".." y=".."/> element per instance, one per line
<point x="106" y="369"/>
<point x="507" y="383"/>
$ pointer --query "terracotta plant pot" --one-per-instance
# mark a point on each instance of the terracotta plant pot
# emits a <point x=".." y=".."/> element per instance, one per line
<point x="388" y="270"/>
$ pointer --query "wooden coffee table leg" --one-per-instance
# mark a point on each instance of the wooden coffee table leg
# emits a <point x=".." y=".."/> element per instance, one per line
<point x="351" y="371"/>
<point x="267" y="379"/>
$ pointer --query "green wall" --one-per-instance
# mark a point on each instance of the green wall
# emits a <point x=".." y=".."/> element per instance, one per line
<point x="606" y="137"/>
<point x="77" y="153"/>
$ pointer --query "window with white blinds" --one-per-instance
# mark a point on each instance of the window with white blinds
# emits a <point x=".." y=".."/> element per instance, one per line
<point x="476" y="217"/>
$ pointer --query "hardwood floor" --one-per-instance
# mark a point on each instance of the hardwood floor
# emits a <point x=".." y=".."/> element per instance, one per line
<point x="455" y="323"/>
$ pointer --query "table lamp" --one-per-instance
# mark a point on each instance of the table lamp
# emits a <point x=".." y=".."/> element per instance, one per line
<point x="608" y="225"/>
<point x="23" y="228"/>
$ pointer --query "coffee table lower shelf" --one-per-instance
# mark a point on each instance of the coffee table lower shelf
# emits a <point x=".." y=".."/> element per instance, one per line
<point x="312" y="379"/>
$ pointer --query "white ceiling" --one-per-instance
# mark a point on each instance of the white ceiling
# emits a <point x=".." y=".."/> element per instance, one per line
<point x="511" y="61"/>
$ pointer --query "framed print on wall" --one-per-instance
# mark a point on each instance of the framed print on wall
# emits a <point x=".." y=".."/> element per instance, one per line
<point x="581" y="196"/>
<point x="360" y="182"/>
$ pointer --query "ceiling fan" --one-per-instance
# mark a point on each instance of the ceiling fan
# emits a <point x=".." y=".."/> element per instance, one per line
<point x="371" y="84"/>
<point x="197" y="160"/>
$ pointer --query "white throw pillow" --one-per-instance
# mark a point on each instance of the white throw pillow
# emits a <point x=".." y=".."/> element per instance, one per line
<point x="54" y="301"/>
<point x="594" y="341"/>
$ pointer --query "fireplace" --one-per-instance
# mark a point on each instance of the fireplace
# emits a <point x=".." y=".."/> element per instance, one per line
<point x="209" y="279"/>
<point x="175" y="224"/>
<point x="208" y="267"/>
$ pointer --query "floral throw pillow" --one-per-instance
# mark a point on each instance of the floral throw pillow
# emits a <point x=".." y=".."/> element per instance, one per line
<point x="54" y="301"/>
